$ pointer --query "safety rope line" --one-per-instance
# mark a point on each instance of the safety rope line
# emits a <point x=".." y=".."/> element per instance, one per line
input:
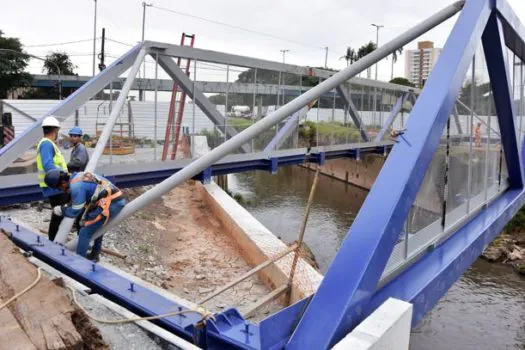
<point x="28" y="288"/>
<point x="301" y="233"/>
<point x="206" y="315"/>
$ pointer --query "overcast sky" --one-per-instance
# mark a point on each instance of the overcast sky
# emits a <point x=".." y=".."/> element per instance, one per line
<point x="305" y="26"/>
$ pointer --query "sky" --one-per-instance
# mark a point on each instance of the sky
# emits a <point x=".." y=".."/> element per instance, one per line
<point x="303" y="27"/>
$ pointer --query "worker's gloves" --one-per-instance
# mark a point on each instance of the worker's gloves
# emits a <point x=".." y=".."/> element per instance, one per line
<point x="58" y="210"/>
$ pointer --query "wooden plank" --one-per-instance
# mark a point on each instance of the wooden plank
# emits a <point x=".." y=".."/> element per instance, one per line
<point x="44" y="312"/>
<point x="12" y="336"/>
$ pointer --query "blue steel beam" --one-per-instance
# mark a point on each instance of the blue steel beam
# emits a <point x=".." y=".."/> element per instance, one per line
<point x="283" y="133"/>
<point x="496" y="57"/>
<point x="352" y="278"/>
<point x="392" y="116"/>
<point x="131" y="176"/>
<point x="112" y="286"/>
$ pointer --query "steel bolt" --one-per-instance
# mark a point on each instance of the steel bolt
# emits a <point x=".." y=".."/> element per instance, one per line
<point x="38" y="239"/>
<point x="63" y="251"/>
<point x="17" y="228"/>
<point x="93" y="267"/>
<point x="247" y="327"/>
<point x="132" y="286"/>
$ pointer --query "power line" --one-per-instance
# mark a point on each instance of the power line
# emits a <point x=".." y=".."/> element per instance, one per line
<point x="119" y="42"/>
<point x="63" y="43"/>
<point x="236" y="27"/>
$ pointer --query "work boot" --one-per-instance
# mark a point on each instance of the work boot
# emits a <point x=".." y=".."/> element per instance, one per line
<point x="94" y="256"/>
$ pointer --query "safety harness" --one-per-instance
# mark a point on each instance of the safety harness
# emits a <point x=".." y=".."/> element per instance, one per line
<point x="105" y="193"/>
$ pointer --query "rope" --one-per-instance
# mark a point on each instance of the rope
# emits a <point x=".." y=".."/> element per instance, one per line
<point x="19" y="294"/>
<point x="206" y="315"/>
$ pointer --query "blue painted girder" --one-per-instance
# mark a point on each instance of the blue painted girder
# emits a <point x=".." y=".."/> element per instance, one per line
<point x="142" y="177"/>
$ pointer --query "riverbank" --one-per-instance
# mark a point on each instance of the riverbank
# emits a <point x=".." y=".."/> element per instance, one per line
<point x="508" y="249"/>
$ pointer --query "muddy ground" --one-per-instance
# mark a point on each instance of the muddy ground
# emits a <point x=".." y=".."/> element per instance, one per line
<point x="176" y="244"/>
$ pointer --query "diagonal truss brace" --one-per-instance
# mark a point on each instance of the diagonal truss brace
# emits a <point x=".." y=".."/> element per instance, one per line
<point x="392" y="116"/>
<point x="64" y="109"/>
<point x="202" y="101"/>
<point x="354" y="114"/>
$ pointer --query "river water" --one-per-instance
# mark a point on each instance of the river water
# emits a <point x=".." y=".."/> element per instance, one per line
<point x="485" y="309"/>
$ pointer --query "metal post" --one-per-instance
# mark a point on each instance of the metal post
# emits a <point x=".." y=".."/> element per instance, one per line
<point x="226" y="101"/>
<point x="193" y="94"/>
<point x="254" y="118"/>
<point x="317" y="125"/>
<point x="487" y="151"/>
<point x="115" y="112"/>
<point x="272" y="119"/>
<point x="155" y="107"/>
<point x="144" y="5"/>
<point x="94" y="37"/>
<point x="471" y="121"/>
<point x="326" y="58"/>
<point x="375" y="89"/>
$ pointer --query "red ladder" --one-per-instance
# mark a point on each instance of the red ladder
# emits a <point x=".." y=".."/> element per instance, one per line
<point x="180" y="112"/>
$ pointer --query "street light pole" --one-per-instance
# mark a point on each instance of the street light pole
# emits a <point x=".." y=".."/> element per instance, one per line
<point x="94" y="37"/>
<point x="284" y="51"/>
<point x="377" y="39"/>
<point x="144" y="5"/>
<point x="42" y="59"/>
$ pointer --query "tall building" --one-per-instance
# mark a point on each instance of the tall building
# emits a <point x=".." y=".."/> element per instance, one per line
<point x="419" y="63"/>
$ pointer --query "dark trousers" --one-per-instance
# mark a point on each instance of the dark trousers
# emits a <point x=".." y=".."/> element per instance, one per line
<point x="57" y="199"/>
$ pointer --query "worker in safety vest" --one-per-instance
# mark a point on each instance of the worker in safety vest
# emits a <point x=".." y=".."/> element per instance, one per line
<point x="79" y="155"/>
<point x="101" y="199"/>
<point x="49" y="157"/>
<point x="477" y="135"/>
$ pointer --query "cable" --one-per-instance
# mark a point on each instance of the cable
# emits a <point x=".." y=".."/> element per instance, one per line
<point x="63" y="43"/>
<point x="206" y="315"/>
<point x="19" y="294"/>
<point x="119" y="42"/>
<point x="235" y="27"/>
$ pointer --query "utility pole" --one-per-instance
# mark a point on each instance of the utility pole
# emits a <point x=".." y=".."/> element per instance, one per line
<point x="284" y="51"/>
<point x="94" y="37"/>
<point x="101" y="55"/>
<point x="377" y="39"/>
<point x="326" y="58"/>
<point x="144" y="5"/>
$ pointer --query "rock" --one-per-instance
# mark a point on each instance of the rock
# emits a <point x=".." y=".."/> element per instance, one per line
<point x="199" y="277"/>
<point x="164" y="285"/>
<point x="516" y="254"/>
<point x="520" y="269"/>
<point x="493" y="254"/>
<point x="46" y="220"/>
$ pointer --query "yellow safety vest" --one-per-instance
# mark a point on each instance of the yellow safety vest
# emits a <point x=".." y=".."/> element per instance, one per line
<point x="58" y="161"/>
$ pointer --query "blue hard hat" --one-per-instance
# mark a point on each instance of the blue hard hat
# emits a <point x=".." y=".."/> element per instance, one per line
<point x="53" y="177"/>
<point x="76" y="131"/>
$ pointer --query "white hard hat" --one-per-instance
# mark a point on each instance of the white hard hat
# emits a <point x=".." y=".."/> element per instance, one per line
<point x="51" y="121"/>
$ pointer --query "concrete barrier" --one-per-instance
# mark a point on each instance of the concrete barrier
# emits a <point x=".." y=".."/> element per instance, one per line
<point x="257" y="244"/>
<point x="386" y="328"/>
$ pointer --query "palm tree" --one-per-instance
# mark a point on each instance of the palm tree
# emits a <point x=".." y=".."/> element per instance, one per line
<point x="350" y="56"/>
<point x="365" y="50"/>
<point x="394" y="60"/>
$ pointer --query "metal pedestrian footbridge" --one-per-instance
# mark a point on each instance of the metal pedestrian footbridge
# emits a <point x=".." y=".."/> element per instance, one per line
<point x="452" y="180"/>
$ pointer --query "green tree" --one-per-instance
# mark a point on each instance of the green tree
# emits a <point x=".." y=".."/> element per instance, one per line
<point x="60" y="59"/>
<point x="350" y="56"/>
<point x="365" y="50"/>
<point x="12" y="66"/>
<point x="394" y="60"/>
<point x="402" y="81"/>
<point x="54" y="61"/>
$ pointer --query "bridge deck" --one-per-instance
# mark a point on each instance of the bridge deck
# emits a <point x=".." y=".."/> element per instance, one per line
<point x="24" y="188"/>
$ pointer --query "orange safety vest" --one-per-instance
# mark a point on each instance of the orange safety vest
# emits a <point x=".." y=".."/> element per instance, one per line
<point x="96" y="201"/>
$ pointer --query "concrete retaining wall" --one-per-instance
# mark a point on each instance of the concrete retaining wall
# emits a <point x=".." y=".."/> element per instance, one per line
<point x="386" y="328"/>
<point x="361" y="173"/>
<point x="257" y="244"/>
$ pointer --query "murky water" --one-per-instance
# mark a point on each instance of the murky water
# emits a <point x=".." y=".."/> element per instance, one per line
<point x="485" y="309"/>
